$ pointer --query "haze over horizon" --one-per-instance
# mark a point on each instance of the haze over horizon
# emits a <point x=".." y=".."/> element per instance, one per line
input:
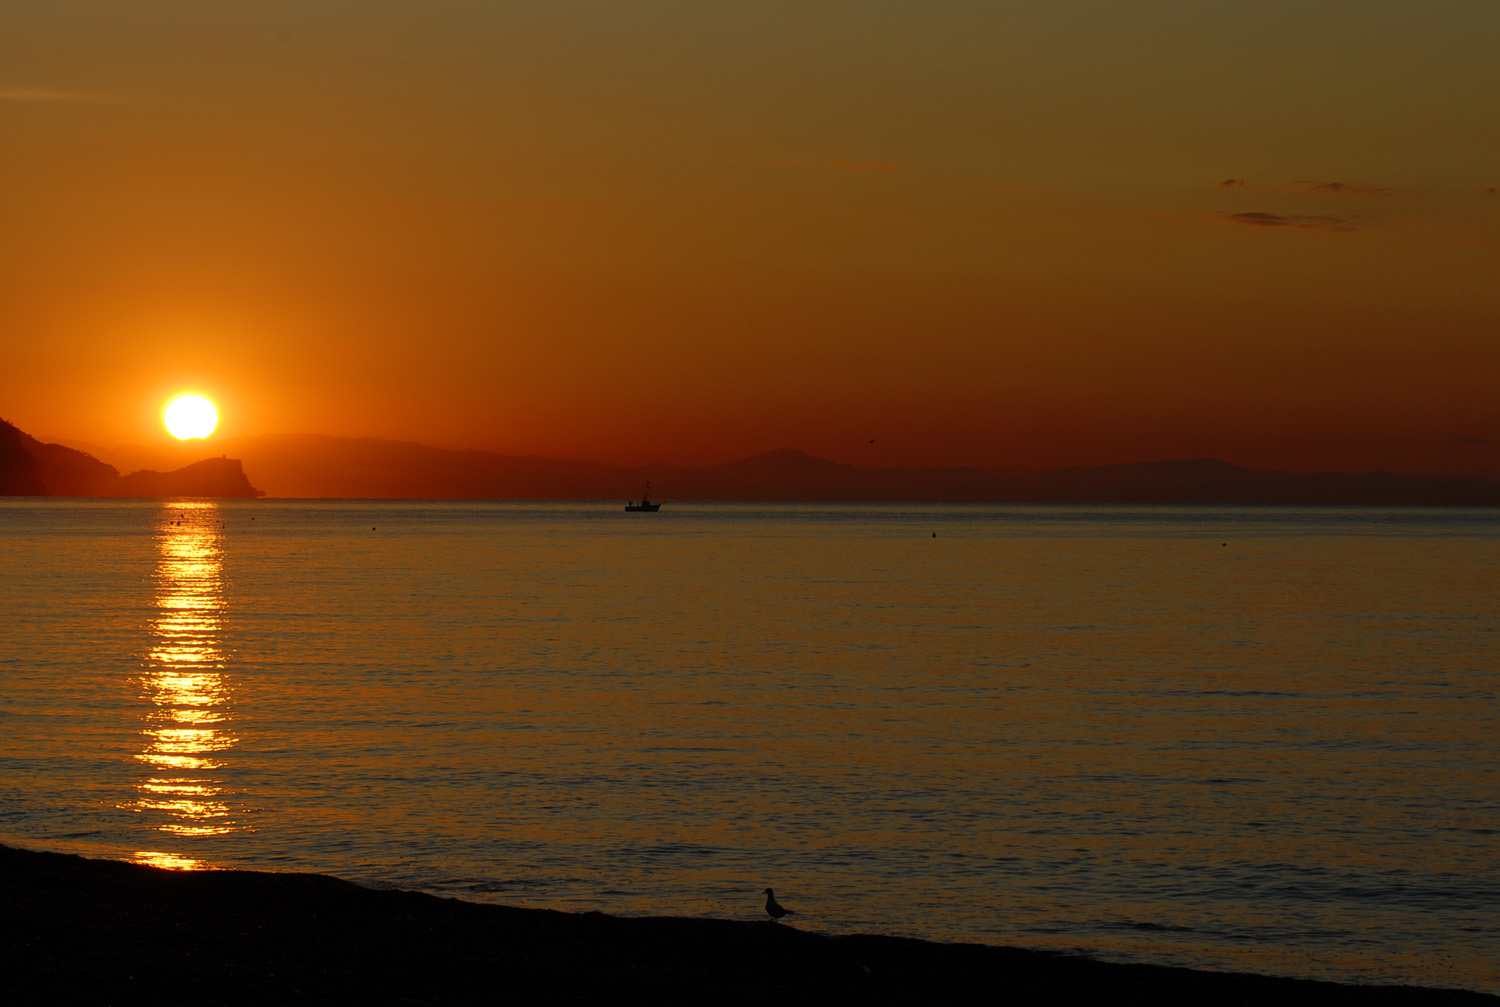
<point x="1013" y="235"/>
<point x="368" y="468"/>
<point x="168" y="454"/>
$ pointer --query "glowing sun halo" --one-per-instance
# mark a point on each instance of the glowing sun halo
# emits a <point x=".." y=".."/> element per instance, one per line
<point x="191" y="416"/>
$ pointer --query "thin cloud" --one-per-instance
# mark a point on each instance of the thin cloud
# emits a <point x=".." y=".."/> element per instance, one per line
<point x="1307" y="185"/>
<point x="1339" y="188"/>
<point x="1303" y="220"/>
<point x="1258" y="219"/>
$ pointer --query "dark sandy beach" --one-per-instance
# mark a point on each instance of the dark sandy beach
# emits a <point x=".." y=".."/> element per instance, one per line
<point x="97" y="931"/>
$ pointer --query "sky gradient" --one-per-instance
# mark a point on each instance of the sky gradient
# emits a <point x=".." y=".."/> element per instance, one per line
<point x="1021" y="235"/>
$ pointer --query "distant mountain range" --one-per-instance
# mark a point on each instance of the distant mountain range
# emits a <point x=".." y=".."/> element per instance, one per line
<point x="311" y="465"/>
<point x="30" y="468"/>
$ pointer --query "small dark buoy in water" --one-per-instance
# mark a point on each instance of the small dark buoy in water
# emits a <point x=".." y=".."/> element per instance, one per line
<point x="1223" y="543"/>
<point x="372" y="527"/>
<point x="934" y="534"/>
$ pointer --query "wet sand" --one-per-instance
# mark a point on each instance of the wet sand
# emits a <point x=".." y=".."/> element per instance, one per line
<point x="98" y="931"/>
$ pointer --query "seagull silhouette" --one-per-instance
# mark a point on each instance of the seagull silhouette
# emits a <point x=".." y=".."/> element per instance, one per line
<point x="775" y="909"/>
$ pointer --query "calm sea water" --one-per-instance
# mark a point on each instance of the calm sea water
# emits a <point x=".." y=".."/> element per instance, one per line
<point x="1245" y="739"/>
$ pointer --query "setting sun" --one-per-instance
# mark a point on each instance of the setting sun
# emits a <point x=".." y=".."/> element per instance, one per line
<point x="191" y="416"/>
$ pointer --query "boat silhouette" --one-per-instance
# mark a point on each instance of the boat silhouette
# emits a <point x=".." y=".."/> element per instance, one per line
<point x="644" y="504"/>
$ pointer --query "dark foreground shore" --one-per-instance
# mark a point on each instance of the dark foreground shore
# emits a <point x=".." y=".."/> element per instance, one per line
<point x="100" y="932"/>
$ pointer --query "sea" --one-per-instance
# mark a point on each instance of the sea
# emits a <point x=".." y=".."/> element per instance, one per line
<point x="1246" y="739"/>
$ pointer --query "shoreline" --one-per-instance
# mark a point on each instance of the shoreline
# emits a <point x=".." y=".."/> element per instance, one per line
<point x="76" y="930"/>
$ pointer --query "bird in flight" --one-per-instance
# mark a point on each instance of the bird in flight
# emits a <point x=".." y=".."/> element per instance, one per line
<point x="775" y="909"/>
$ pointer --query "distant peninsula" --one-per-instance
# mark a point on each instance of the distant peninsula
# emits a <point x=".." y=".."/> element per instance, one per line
<point x="313" y="465"/>
<point x="371" y="468"/>
<point x="30" y="468"/>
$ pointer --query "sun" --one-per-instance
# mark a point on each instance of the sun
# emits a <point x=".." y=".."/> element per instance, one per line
<point x="191" y="416"/>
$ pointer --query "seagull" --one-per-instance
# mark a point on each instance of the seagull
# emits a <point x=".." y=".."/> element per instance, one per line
<point x="775" y="909"/>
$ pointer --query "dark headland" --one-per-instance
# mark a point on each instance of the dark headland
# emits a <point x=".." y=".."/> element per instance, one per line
<point x="99" y="931"/>
<point x="29" y="467"/>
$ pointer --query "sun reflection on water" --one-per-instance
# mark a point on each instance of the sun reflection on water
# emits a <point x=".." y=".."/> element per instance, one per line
<point x="187" y="728"/>
<point x="169" y="861"/>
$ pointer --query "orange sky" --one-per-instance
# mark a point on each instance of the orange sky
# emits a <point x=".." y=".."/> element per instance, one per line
<point x="989" y="233"/>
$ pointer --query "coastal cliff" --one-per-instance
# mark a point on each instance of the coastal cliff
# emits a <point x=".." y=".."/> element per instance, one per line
<point x="30" y="468"/>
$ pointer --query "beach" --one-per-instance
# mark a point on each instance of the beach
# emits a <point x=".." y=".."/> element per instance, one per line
<point x="106" y="932"/>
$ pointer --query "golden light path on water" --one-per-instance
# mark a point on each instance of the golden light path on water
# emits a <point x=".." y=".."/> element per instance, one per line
<point x="188" y="726"/>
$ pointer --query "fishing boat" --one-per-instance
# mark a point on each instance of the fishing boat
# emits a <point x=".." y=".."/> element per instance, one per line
<point x="644" y="504"/>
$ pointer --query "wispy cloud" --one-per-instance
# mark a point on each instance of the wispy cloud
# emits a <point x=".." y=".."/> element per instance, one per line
<point x="1320" y="222"/>
<point x="1339" y="188"/>
<point x="1306" y="185"/>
